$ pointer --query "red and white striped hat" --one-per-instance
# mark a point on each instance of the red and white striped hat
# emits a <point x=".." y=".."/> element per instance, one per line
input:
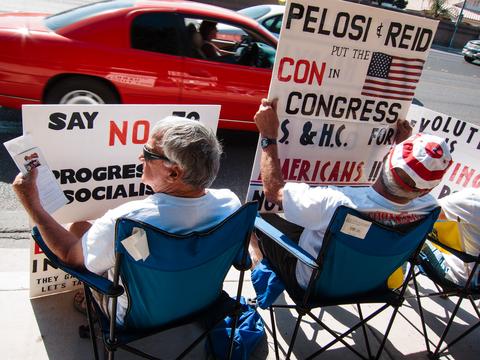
<point x="425" y="158"/>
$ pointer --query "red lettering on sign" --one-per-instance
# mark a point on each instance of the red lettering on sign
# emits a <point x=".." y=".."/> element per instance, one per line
<point x="120" y="134"/>
<point x="137" y="125"/>
<point x="140" y="132"/>
<point x="37" y="250"/>
<point x="304" y="71"/>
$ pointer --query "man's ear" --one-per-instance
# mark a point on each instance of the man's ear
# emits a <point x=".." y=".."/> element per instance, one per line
<point x="176" y="173"/>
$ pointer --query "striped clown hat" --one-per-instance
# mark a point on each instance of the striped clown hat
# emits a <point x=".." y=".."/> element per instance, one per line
<point x="425" y="158"/>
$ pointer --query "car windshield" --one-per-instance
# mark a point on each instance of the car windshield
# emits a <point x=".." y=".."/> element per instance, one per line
<point x="255" y="12"/>
<point x="71" y="16"/>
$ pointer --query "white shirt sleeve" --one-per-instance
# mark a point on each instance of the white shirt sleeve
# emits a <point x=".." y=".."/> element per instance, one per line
<point x="310" y="207"/>
<point x="464" y="205"/>
<point x="98" y="244"/>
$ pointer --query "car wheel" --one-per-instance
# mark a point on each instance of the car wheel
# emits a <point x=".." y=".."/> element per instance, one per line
<point x="468" y="59"/>
<point x="80" y="90"/>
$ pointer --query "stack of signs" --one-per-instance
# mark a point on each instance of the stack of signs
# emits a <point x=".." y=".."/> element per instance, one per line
<point x="344" y="74"/>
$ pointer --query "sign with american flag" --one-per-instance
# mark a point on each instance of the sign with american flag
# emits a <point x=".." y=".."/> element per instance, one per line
<point x="392" y="77"/>
<point x="344" y="74"/>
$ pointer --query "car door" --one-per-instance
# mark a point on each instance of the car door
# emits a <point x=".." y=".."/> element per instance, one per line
<point x="237" y="88"/>
<point x="156" y="57"/>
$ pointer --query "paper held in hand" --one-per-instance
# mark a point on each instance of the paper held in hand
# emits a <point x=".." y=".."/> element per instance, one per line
<point x="27" y="156"/>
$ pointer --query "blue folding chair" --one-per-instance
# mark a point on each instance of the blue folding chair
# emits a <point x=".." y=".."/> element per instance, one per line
<point x="447" y="289"/>
<point x="351" y="270"/>
<point x="180" y="282"/>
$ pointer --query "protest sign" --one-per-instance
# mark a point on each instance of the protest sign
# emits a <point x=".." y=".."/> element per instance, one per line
<point x="463" y="139"/>
<point x="344" y="74"/>
<point x="93" y="152"/>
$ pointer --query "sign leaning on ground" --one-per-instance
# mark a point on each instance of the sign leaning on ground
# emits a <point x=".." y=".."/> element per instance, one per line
<point x="93" y="152"/>
<point x="344" y="74"/>
<point x="464" y="141"/>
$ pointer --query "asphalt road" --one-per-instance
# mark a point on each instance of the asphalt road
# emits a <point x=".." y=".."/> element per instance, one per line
<point x="450" y="85"/>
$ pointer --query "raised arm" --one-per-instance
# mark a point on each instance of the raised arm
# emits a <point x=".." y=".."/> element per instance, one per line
<point x="267" y="123"/>
<point x="63" y="243"/>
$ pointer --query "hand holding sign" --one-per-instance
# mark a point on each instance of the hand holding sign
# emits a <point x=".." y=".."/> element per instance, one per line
<point x="26" y="189"/>
<point x="266" y="119"/>
<point x="404" y="130"/>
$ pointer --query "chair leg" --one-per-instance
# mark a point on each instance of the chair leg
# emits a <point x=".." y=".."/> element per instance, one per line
<point x="389" y="327"/>
<point x="93" y="337"/>
<point x="365" y="334"/>
<point x="294" y="336"/>
<point x="111" y="354"/>
<point x="422" y="317"/>
<point x="447" y="328"/>
<point x="274" y="333"/>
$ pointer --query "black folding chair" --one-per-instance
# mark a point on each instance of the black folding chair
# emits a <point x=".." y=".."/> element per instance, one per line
<point x="351" y="269"/>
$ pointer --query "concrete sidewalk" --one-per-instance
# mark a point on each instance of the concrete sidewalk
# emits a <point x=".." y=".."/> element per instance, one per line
<point x="47" y="328"/>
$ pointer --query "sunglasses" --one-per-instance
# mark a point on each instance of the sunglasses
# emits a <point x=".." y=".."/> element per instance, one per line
<point x="148" y="155"/>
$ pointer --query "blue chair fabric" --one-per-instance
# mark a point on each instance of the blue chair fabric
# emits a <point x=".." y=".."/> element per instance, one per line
<point x="352" y="270"/>
<point x="180" y="281"/>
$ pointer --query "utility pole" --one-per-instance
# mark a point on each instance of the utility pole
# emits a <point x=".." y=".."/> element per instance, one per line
<point x="459" y="20"/>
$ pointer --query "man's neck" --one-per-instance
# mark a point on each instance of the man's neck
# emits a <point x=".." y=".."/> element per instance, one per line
<point x="380" y="188"/>
<point x="185" y="192"/>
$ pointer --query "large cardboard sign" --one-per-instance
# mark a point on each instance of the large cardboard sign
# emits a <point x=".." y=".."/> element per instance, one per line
<point x="93" y="152"/>
<point x="464" y="142"/>
<point x="344" y="74"/>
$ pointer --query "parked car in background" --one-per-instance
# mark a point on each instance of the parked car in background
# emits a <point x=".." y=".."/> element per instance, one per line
<point x="471" y="50"/>
<point x="136" y="52"/>
<point x="269" y="16"/>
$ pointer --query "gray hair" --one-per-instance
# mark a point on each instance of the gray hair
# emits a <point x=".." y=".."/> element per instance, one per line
<point x="392" y="186"/>
<point x="192" y="146"/>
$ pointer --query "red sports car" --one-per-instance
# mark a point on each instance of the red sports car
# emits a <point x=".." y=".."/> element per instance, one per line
<point x="137" y="52"/>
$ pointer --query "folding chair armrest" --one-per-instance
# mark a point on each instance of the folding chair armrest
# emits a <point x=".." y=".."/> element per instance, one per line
<point x="94" y="281"/>
<point x="282" y="240"/>
<point x="460" y="254"/>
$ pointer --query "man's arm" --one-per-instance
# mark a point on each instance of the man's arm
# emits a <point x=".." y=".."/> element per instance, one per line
<point x="267" y="123"/>
<point x="64" y="244"/>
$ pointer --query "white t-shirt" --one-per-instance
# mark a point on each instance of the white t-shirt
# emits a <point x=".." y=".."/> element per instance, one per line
<point x="464" y="207"/>
<point x="313" y="208"/>
<point x="170" y="213"/>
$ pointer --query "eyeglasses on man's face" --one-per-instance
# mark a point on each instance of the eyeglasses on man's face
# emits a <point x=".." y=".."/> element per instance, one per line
<point x="150" y="155"/>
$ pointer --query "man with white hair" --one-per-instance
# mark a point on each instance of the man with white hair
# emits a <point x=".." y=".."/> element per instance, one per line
<point x="399" y="196"/>
<point x="180" y="161"/>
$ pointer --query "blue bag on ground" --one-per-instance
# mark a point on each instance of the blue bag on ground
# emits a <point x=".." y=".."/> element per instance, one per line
<point x="266" y="283"/>
<point x="250" y="330"/>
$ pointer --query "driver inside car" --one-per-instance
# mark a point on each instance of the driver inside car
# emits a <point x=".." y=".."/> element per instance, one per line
<point x="208" y="31"/>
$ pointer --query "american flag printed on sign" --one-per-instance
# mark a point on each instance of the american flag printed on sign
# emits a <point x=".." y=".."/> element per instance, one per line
<point x="392" y="77"/>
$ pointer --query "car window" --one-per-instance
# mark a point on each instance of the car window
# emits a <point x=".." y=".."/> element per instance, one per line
<point x="255" y="12"/>
<point x="157" y="32"/>
<point x="71" y="16"/>
<point x="273" y="24"/>
<point x="211" y="40"/>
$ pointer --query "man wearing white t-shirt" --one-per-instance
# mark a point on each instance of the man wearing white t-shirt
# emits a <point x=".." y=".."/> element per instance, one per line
<point x="399" y="196"/>
<point x="180" y="161"/>
<point x="464" y="208"/>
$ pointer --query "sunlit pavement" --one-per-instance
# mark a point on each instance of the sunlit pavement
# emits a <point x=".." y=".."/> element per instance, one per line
<point x="47" y="328"/>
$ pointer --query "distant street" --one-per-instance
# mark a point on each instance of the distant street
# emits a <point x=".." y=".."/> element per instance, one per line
<point x="448" y="84"/>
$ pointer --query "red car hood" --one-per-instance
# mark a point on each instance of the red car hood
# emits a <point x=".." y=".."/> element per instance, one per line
<point x="18" y="20"/>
